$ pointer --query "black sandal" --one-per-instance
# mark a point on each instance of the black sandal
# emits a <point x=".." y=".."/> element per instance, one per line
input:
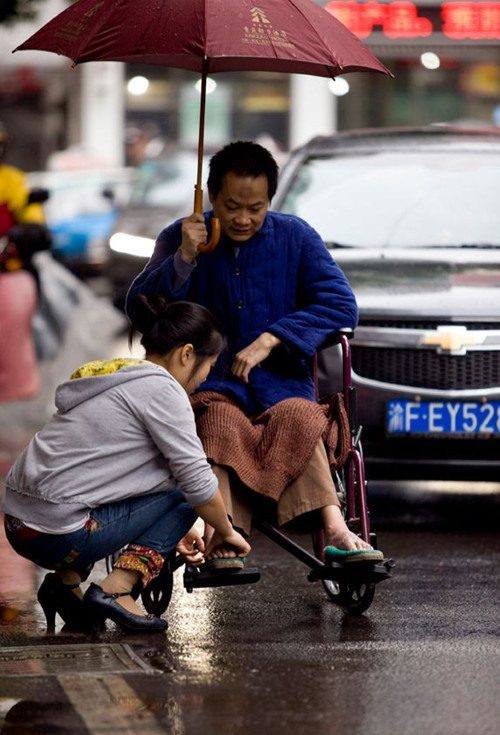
<point x="103" y="605"/>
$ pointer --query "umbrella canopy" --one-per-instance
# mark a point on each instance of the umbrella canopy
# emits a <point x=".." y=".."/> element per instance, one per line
<point x="294" y="36"/>
<point x="208" y="36"/>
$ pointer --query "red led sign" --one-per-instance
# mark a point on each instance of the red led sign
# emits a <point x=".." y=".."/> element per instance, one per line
<point x="471" y="20"/>
<point x="458" y="20"/>
<point x="398" y="19"/>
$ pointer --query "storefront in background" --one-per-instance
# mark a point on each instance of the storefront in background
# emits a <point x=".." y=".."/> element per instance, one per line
<point x="445" y="58"/>
<point x="166" y="102"/>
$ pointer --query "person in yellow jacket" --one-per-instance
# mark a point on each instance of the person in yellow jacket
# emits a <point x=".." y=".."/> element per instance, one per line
<point x="14" y="193"/>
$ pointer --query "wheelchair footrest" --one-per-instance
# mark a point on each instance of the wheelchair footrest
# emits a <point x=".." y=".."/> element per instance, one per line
<point x="363" y="572"/>
<point x="195" y="577"/>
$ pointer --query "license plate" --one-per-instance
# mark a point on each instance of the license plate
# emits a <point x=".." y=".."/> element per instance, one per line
<point x="443" y="417"/>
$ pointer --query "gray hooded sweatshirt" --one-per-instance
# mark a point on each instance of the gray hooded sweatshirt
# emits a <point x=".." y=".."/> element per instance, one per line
<point x="116" y="435"/>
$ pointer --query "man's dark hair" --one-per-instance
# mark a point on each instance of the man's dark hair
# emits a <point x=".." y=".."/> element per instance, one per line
<point x="242" y="158"/>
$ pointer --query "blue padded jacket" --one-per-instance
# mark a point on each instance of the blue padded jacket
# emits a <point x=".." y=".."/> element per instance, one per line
<point x="283" y="280"/>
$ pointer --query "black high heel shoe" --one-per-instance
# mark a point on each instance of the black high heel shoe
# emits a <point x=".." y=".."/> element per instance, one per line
<point x="56" y="597"/>
<point x="103" y="604"/>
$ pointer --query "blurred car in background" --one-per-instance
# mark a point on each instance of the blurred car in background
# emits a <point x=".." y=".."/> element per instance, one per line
<point x="81" y="211"/>
<point x="162" y="190"/>
<point x="412" y="216"/>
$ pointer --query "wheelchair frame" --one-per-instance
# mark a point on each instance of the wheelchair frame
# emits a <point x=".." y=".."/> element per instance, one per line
<point x="349" y="585"/>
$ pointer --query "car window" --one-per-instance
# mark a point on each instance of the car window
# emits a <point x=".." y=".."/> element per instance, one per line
<point x="165" y="182"/>
<point x="395" y="200"/>
<point x="75" y="193"/>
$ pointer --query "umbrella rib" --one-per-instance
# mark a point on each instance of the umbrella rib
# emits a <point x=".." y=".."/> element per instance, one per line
<point x="306" y="19"/>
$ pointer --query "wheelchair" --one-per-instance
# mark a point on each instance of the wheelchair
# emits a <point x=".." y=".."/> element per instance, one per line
<point x="351" y="586"/>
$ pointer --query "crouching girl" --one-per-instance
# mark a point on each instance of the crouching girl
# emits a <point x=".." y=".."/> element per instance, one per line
<point x="120" y="467"/>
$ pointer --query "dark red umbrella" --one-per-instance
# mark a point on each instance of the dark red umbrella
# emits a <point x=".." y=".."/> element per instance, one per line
<point x="209" y="36"/>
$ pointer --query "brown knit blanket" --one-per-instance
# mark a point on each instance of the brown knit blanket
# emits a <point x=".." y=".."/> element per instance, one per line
<point x="271" y="450"/>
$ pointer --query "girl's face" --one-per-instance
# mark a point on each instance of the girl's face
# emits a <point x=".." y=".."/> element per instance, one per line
<point x="199" y="374"/>
<point x="182" y="364"/>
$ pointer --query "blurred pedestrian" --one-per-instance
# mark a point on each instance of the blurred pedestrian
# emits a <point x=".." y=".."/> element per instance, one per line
<point x="142" y="142"/>
<point x="21" y="224"/>
<point x="14" y="194"/>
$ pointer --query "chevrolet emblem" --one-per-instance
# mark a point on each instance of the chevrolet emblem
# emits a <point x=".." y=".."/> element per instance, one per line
<point x="452" y="339"/>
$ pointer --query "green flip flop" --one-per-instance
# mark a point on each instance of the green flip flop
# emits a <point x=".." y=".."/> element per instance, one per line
<point x="340" y="555"/>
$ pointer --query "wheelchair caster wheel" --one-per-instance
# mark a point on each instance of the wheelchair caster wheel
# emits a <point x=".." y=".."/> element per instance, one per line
<point x="157" y="595"/>
<point x="355" y="597"/>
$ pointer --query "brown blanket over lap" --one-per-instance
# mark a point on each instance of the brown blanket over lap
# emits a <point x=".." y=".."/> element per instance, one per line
<point x="271" y="450"/>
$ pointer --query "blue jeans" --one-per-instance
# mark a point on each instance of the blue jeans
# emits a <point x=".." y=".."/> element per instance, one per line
<point x="157" y="521"/>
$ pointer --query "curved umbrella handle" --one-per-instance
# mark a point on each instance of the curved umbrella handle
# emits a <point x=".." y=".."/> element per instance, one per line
<point x="206" y="247"/>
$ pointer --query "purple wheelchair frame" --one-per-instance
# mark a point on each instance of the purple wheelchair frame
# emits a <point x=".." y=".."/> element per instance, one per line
<point x="356" y="482"/>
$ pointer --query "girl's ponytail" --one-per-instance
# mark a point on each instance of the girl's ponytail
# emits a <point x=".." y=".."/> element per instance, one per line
<point x="165" y="326"/>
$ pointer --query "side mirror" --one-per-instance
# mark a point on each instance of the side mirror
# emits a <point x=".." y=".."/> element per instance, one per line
<point x="109" y="194"/>
<point x="38" y="196"/>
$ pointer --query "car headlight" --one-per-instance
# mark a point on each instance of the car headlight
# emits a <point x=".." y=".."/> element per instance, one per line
<point x="141" y="247"/>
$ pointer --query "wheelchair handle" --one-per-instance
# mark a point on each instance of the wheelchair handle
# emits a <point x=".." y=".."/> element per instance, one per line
<point x="335" y="338"/>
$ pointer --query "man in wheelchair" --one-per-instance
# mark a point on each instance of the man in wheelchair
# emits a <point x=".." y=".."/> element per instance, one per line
<point x="278" y="295"/>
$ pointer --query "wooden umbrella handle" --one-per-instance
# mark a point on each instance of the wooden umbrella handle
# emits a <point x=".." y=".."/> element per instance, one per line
<point x="206" y="247"/>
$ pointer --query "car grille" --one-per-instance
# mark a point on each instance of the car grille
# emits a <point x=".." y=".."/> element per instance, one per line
<point x="427" y="368"/>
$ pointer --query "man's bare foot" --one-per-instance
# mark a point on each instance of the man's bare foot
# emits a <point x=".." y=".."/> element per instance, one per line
<point x="225" y="557"/>
<point x="336" y="532"/>
<point x="222" y="552"/>
<point x="348" y="542"/>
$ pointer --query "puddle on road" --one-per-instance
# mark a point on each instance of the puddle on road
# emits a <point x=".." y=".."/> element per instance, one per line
<point x="92" y="659"/>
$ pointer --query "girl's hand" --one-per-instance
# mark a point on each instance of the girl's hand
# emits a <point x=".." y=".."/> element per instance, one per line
<point x="191" y="547"/>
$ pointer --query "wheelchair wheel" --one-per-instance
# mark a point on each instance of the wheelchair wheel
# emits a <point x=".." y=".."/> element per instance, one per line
<point x="354" y="597"/>
<point x="156" y="597"/>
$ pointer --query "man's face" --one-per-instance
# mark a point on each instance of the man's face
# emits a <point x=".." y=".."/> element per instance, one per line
<point x="241" y="205"/>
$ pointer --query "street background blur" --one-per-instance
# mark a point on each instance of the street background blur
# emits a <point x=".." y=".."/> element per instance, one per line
<point x="108" y="138"/>
<point x="445" y="58"/>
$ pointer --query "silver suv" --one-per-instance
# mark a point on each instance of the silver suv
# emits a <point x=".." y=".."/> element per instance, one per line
<point x="412" y="216"/>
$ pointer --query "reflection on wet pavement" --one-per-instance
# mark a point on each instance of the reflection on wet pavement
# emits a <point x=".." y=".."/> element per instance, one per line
<point x="192" y="625"/>
<point x="18" y="585"/>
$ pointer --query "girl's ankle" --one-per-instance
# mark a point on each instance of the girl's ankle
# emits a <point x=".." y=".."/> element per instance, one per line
<point x="120" y="581"/>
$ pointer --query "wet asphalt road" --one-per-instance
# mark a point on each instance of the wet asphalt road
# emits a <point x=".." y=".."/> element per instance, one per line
<point x="277" y="656"/>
